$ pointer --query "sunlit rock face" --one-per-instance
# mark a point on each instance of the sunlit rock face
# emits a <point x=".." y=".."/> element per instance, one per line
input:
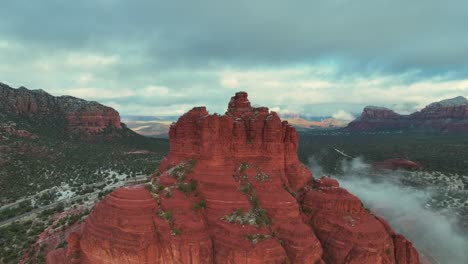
<point x="232" y="190"/>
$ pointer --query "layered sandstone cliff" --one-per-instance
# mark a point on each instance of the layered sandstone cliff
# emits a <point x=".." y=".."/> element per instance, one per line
<point x="232" y="190"/>
<point x="449" y="115"/>
<point x="348" y="232"/>
<point x="73" y="115"/>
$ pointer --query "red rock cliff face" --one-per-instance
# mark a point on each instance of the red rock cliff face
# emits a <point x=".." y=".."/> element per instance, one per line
<point x="370" y="113"/>
<point x="449" y="115"/>
<point x="349" y="234"/>
<point x="232" y="190"/>
<point x="378" y="118"/>
<point x="93" y="119"/>
<point x="243" y="133"/>
<point x="74" y="115"/>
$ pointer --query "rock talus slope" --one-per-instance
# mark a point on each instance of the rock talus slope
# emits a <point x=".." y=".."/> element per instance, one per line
<point x="232" y="190"/>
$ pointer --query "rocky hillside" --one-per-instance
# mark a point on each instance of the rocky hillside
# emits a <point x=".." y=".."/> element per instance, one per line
<point x="42" y="136"/>
<point x="58" y="154"/>
<point x="65" y="114"/>
<point x="449" y="115"/>
<point x="232" y="190"/>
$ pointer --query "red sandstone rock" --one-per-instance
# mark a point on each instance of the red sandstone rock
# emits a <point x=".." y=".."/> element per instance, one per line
<point x="455" y="108"/>
<point x="75" y="115"/>
<point x="404" y="250"/>
<point x="378" y="118"/>
<point x="373" y="112"/>
<point x="326" y="182"/>
<point x="52" y="237"/>
<point x="125" y="228"/>
<point x="93" y="119"/>
<point x="12" y="131"/>
<point x="26" y="134"/>
<point x="449" y="115"/>
<point x="228" y="192"/>
<point x="349" y="234"/>
<point x="57" y="256"/>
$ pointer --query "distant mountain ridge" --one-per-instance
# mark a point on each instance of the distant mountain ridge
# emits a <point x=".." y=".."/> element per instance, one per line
<point x="449" y="115"/>
<point x="73" y="116"/>
<point x="303" y="123"/>
<point x="158" y="126"/>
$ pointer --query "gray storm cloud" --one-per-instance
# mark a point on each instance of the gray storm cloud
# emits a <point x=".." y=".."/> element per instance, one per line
<point x="388" y="35"/>
<point x="349" y="51"/>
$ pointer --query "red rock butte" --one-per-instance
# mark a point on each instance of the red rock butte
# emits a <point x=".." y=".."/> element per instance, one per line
<point x="80" y="116"/>
<point x="450" y="116"/>
<point x="93" y="119"/>
<point x="232" y="190"/>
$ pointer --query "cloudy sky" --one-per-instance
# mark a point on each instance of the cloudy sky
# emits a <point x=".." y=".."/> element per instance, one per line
<point x="313" y="57"/>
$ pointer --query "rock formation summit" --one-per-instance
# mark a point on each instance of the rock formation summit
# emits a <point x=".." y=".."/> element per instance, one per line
<point x="232" y="190"/>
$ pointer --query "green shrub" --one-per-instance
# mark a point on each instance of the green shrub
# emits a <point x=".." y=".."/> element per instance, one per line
<point x="188" y="188"/>
<point x="167" y="215"/>
<point x="175" y="231"/>
<point x="243" y="166"/>
<point x="246" y="189"/>
<point x="255" y="238"/>
<point x="149" y="187"/>
<point x="199" y="205"/>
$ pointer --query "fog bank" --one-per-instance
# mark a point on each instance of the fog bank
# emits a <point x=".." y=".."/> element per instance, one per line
<point x="434" y="232"/>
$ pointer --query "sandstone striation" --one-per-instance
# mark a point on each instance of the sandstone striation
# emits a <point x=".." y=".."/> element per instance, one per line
<point x="232" y="190"/>
<point x="350" y="234"/>
<point x="92" y="119"/>
<point x="449" y="115"/>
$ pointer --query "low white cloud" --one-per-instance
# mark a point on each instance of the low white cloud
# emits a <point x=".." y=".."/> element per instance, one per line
<point x="276" y="109"/>
<point x="312" y="90"/>
<point x="4" y="44"/>
<point x="92" y="93"/>
<point x="343" y="115"/>
<point x="85" y="78"/>
<point x="135" y="109"/>
<point x="435" y="233"/>
<point x="299" y="88"/>
<point x="90" y="60"/>
<point x="154" y="90"/>
<point x="229" y="81"/>
<point x="302" y="60"/>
